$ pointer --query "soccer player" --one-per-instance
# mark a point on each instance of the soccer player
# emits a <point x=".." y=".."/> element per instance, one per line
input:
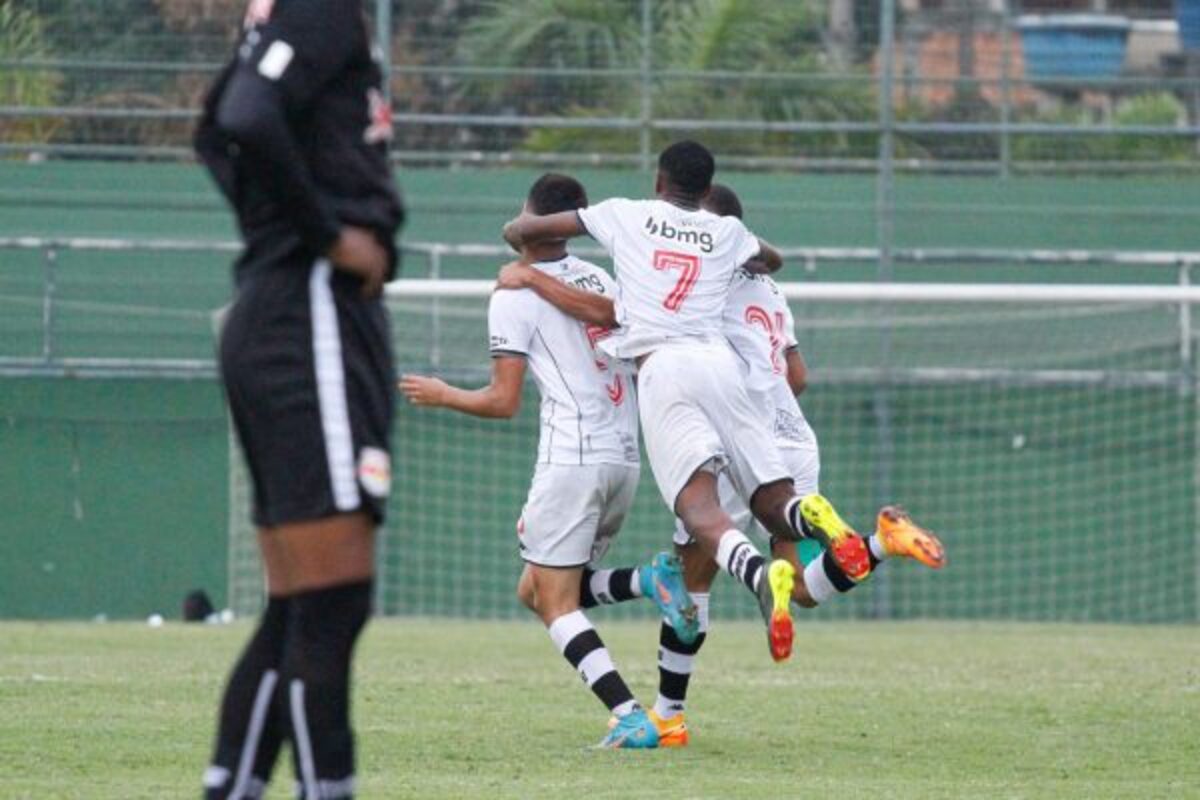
<point x="587" y="463"/>
<point x="674" y="263"/>
<point x="294" y="132"/>
<point x="759" y="326"/>
<point x="761" y="330"/>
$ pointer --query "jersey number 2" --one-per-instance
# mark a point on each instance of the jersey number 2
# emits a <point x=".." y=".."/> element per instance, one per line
<point x="756" y="315"/>
<point x="689" y="267"/>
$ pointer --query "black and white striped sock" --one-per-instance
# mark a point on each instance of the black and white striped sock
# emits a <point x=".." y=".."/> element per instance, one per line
<point x="741" y="559"/>
<point x="581" y="646"/>
<point x="824" y="579"/>
<point x="608" y="586"/>
<point x="675" y="661"/>
<point x="796" y="519"/>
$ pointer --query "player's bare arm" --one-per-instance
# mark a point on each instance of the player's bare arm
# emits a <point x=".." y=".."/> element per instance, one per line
<point x="529" y="229"/>
<point x="500" y="399"/>
<point x="768" y="260"/>
<point x="585" y="306"/>
<point x="797" y="371"/>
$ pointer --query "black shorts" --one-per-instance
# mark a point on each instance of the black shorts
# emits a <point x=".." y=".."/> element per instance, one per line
<point x="307" y="366"/>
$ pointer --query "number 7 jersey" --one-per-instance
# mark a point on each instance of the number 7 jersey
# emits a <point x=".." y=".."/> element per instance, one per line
<point x="673" y="268"/>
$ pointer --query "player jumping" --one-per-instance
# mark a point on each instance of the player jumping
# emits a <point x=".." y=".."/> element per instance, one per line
<point x="760" y="329"/>
<point x="587" y="466"/>
<point x="674" y="263"/>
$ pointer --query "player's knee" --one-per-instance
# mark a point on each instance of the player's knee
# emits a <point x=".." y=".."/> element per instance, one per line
<point x="323" y="627"/>
<point x="769" y="506"/>
<point x="526" y="594"/>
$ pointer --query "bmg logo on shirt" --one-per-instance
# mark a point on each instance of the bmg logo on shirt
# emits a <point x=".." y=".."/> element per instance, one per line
<point x="664" y="229"/>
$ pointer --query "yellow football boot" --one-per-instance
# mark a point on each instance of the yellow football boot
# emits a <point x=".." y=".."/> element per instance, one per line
<point x="824" y="525"/>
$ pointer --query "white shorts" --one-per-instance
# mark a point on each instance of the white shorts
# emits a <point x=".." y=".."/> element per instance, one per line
<point x="695" y="412"/>
<point x="573" y="513"/>
<point x="805" y="464"/>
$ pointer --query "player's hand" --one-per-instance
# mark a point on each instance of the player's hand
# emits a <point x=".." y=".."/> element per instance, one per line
<point x="423" y="391"/>
<point x="512" y="233"/>
<point x="358" y="252"/>
<point x="515" y="275"/>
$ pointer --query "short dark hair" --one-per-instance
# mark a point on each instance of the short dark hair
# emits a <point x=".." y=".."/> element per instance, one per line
<point x="723" y="201"/>
<point x="689" y="166"/>
<point x="553" y="192"/>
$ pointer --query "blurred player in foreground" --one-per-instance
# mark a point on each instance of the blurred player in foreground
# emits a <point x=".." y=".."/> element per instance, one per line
<point x="674" y="264"/>
<point x="294" y="132"/>
<point x="587" y="463"/>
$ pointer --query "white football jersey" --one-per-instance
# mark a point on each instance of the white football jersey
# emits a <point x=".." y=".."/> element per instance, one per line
<point x="673" y="269"/>
<point x="589" y="409"/>
<point x="760" y="329"/>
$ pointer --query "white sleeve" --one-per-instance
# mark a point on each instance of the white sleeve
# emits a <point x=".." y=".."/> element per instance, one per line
<point x="602" y="221"/>
<point x="746" y="245"/>
<point x="512" y="321"/>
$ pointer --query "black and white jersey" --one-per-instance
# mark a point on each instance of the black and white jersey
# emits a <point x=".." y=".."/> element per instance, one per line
<point x="295" y="131"/>
<point x="589" y="408"/>
<point x="761" y="330"/>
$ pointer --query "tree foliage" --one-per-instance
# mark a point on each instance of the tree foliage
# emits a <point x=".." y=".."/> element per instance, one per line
<point x="22" y="37"/>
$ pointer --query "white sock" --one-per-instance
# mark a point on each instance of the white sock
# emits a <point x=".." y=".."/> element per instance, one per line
<point x="824" y="579"/>
<point x="581" y="646"/>
<point x="877" y="549"/>
<point x="741" y="559"/>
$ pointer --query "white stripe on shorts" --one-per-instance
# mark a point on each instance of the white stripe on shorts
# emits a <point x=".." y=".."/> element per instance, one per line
<point x="331" y="389"/>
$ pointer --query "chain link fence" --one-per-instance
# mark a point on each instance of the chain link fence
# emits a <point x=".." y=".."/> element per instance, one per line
<point x="982" y="85"/>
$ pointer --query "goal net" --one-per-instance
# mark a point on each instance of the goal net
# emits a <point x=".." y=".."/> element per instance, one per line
<point x="1047" y="433"/>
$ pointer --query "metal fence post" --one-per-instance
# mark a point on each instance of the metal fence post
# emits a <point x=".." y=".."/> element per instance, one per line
<point x="1185" y="318"/>
<point x="435" y="309"/>
<point x="644" y="81"/>
<point x="1005" y="90"/>
<point x="881" y="600"/>
<point x="383" y="41"/>
<point x="48" y="291"/>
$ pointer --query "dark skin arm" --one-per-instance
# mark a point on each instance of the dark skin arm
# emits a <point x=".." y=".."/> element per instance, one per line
<point x="767" y="261"/>
<point x="530" y="229"/>
<point x="797" y="371"/>
<point x="500" y="399"/>
<point x="589" y="307"/>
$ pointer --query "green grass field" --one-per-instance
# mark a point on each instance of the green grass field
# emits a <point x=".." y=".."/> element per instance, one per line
<point x="474" y="710"/>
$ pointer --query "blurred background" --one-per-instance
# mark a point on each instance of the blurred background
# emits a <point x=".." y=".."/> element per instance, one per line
<point x="982" y="141"/>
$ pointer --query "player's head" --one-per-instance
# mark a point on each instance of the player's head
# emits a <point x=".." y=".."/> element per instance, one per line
<point x="722" y="201"/>
<point x="685" y="169"/>
<point x="553" y="193"/>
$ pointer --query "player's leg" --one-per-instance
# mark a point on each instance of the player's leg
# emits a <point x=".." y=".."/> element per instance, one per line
<point x="676" y="658"/>
<point x="252" y="722"/>
<point x="331" y="563"/>
<point x="686" y="452"/>
<point x="251" y="726"/>
<point x="660" y="580"/>
<point x="557" y="593"/>
<point x="562" y="529"/>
